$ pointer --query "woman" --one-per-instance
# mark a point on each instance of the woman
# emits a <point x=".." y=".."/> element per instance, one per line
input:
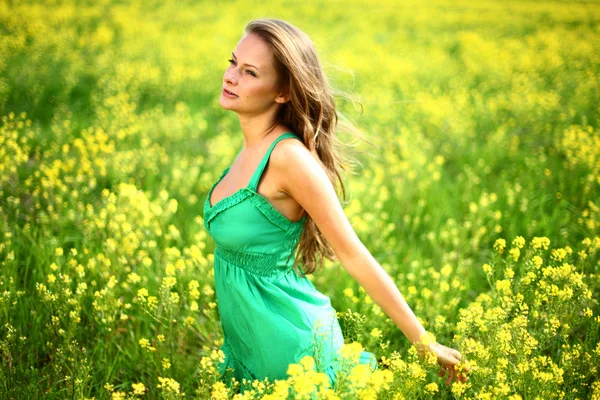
<point x="277" y="207"/>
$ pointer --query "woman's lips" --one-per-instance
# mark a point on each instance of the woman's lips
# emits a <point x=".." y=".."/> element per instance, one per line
<point x="229" y="94"/>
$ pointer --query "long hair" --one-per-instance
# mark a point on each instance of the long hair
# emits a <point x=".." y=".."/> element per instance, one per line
<point x="311" y="114"/>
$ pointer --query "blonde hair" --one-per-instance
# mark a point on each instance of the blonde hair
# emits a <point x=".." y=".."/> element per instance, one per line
<point x="311" y="114"/>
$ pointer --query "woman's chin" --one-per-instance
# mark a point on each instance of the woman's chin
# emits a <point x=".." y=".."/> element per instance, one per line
<point x="225" y="104"/>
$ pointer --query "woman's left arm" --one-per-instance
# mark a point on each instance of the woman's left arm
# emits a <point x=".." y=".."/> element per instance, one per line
<point x="303" y="178"/>
<point x="307" y="182"/>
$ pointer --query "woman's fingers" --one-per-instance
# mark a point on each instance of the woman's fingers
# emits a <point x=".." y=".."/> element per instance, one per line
<point x="456" y="354"/>
<point x="450" y="376"/>
<point x="448" y="358"/>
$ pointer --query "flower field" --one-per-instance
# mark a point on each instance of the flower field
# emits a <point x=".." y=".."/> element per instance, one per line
<point x="479" y="193"/>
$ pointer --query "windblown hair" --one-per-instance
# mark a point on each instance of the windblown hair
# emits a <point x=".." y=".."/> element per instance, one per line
<point x="311" y="114"/>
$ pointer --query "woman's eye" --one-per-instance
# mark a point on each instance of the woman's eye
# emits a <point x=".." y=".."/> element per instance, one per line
<point x="231" y="61"/>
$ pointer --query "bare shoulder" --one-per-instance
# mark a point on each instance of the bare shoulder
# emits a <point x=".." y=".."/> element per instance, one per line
<point x="290" y="154"/>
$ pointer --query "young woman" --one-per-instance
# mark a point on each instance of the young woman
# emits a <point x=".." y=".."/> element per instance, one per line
<point x="277" y="207"/>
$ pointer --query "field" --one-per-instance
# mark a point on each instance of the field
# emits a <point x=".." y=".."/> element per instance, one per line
<point x="479" y="193"/>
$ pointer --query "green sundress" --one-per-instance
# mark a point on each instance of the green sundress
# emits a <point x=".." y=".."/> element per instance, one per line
<point x="269" y="314"/>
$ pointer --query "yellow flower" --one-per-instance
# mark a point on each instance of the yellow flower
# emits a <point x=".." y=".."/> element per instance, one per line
<point x="118" y="395"/>
<point x="174" y="297"/>
<point x="503" y="286"/>
<point x="295" y="370"/>
<point x="487" y="268"/>
<point x="381" y="378"/>
<point x="416" y="371"/>
<point x="219" y="391"/>
<point x="308" y="363"/>
<point x="500" y="245"/>
<point x="359" y="375"/>
<point x="166" y="363"/>
<point x="169" y="281"/>
<point x="145" y="343"/>
<point x="138" y="388"/>
<point x="168" y="384"/>
<point x="58" y="251"/>
<point x="134" y="278"/>
<point x="208" y="290"/>
<point x="540" y="242"/>
<point x="518" y="242"/>
<point x="51" y="278"/>
<point x="348" y="292"/>
<point x="515" y="253"/>
<point x="376" y="333"/>
<point x="459" y="388"/>
<point x="170" y="269"/>
<point x="431" y="387"/>
<point x="280" y="390"/>
<point x="152" y="301"/>
<point x="351" y="350"/>
<point x="559" y="254"/>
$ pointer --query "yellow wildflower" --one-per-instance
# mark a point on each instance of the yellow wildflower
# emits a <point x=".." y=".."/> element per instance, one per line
<point x="219" y="391"/>
<point x="359" y="375"/>
<point x="138" y="388"/>
<point x="518" y="242"/>
<point x="540" y="243"/>
<point x="487" y="268"/>
<point x="515" y="253"/>
<point x="431" y="388"/>
<point x="500" y="245"/>
<point x="376" y="333"/>
<point x="168" y="384"/>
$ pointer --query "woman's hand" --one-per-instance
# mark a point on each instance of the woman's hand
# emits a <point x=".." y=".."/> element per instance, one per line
<point x="447" y="358"/>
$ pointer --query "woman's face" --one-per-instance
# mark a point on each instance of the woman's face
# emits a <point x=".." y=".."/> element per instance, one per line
<point x="251" y="77"/>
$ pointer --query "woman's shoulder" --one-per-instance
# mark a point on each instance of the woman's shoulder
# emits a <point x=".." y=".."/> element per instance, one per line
<point x="289" y="151"/>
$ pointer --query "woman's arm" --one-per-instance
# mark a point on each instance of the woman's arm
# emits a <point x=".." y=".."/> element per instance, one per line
<point x="304" y="179"/>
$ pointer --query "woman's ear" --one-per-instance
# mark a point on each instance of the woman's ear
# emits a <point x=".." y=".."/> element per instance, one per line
<point x="283" y="97"/>
<point x="284" y="93"/>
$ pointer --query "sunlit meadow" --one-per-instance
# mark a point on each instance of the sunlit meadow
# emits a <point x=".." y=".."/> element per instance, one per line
<point x="479" y="194"/>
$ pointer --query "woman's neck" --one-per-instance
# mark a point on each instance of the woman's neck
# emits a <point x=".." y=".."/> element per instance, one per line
<point x="255" y="128"/>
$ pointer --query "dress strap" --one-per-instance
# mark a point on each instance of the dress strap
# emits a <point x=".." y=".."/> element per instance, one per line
<point x="263" y="163"/>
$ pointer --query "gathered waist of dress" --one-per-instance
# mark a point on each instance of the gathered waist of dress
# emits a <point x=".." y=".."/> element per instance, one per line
<point x="257" y="263"/>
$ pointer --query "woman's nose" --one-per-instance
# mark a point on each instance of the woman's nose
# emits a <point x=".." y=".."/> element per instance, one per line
<point x="229" y="77"/>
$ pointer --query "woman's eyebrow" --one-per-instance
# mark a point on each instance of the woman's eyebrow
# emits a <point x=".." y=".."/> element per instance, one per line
<point x="250" y="65"/>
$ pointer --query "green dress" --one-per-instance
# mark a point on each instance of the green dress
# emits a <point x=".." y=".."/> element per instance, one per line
<point x="269" y="314"/>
